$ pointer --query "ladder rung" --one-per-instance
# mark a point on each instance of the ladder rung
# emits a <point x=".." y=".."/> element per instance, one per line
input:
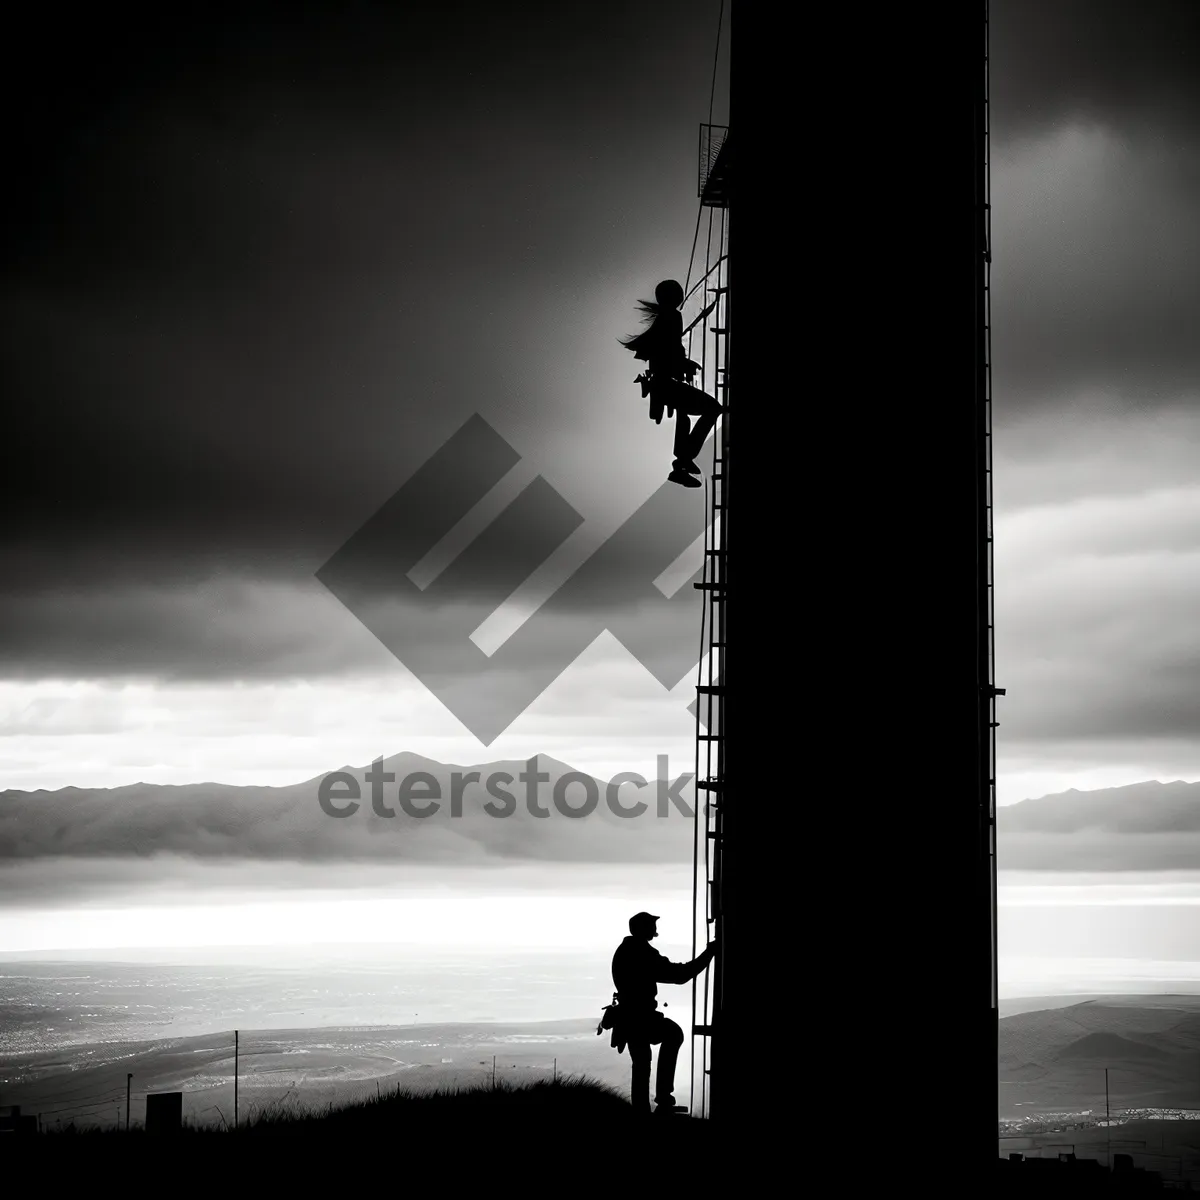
<point x="719" y="289"/>
<point x="719" y="329"/>
<point x="702" y="1031"/>
<point x="709" y="737"/>
<point x="709" y="587"/>
<point x="711" y="689"/>
<point x="711" y="785"/>
<point x="712" y="833"/>
<point x="717" y="553"/>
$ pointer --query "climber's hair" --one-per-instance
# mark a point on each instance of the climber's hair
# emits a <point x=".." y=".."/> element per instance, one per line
<point x="668" y="296"/>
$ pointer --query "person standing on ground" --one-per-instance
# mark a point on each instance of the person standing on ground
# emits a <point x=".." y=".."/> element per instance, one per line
<point x="637" y="970"/>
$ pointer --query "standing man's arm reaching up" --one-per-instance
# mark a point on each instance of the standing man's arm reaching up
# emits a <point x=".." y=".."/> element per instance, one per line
<point x="672" y="972"/>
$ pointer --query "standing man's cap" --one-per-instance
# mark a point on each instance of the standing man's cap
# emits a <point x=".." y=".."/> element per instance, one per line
<point x="642" y="918"/>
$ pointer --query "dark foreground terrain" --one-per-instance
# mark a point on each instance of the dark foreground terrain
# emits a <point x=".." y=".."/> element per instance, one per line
<point x="542" y="1134"/>
<point x="569" y="1134"/>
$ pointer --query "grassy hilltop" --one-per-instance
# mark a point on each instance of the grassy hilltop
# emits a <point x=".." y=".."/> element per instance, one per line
<point x="517" y="1133"/>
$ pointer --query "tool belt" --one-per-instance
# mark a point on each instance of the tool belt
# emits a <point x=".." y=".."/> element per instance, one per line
<point x="610" y="1018"/>
<point x="657" y="405"/>
<point x="626" y="1024"/>
<point x="615" y="1020"/>
<point x="656" y="383"/>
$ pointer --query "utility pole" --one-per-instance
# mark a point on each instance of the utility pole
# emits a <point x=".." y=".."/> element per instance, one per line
<point x="556" y="1070"/>
<point x="128" y="1089"/>
<point x="1107" y="1119"/>
<point x="493" y="1072"/>
<point x="235" y="1079"/>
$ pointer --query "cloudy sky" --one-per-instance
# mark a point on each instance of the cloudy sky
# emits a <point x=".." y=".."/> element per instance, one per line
<point x="260" y="272"/>
<point x="1096" y="270"/>
<point x="259" y="275"/>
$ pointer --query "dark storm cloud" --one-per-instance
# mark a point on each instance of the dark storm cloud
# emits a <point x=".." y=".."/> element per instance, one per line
<point x="1095" y="108"/>
<point x="1105" y="61"/>
<point x="1096" y="377"/>
<point x="260" y="272"/>
<point x="1096" y="272"/>
<point x="234" y="629"/>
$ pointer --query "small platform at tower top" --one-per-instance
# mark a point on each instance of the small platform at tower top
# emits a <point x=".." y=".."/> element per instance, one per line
<point x="714" y="166"/>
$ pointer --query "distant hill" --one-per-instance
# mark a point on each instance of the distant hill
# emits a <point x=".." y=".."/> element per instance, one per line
<point x="1056" y="1058"/>
<point x="1110" y="1048"/>
<point x="213" y="821"/>
<point x="1141" y="827"/>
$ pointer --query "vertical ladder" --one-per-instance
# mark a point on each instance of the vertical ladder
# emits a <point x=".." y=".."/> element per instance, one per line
<point x="710" y="711"/>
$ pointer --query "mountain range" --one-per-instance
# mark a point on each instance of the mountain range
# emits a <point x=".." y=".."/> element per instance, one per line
<point x="1148" y="826"/>
<point x="222" y="821"/>
<point x="1141" y="827"/>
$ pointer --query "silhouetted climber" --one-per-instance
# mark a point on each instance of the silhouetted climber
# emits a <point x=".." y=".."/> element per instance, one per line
<point x="667" y="380"/>
<point x="637" y="969"/>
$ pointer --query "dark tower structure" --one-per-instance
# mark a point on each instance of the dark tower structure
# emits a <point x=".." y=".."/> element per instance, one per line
<point x="947" y="503"/>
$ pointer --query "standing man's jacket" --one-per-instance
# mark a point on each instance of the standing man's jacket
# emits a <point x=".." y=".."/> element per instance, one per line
<point x="638" y="969"/>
